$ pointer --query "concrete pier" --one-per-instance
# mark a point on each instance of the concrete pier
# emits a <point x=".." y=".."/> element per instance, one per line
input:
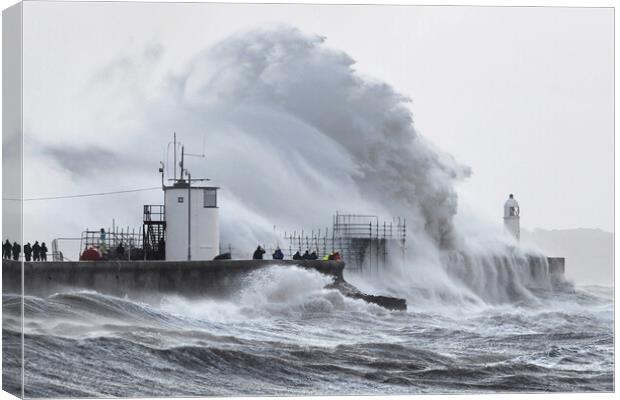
<point x="120" y="278"/>
<point x="149" y="280"/>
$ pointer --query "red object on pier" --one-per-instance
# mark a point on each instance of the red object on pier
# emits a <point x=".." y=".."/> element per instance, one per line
<point x="91" y="254"/>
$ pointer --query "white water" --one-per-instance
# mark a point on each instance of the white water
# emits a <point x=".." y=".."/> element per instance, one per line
<point x="295" y="134"/>
<point x="288" y="114"/>
<point x="286" y="334"/>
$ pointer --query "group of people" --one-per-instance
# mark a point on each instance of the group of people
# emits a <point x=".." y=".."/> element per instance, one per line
<point x="306" y="256"/>
<point x="333" y="256"/>
<point x="36" y="252"/>
<point x="279" y="255"/>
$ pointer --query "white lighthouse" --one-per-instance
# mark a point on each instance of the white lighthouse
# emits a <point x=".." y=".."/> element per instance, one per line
<point x="511" y="217"/>
<point x="192" y="217"/>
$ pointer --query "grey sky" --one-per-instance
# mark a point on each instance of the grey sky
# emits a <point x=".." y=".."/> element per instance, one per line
<point x="524" y="96"/>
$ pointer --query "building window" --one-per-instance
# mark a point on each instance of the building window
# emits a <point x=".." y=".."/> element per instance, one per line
<point x="180" y="199"/>
<point x="210" y="198"/>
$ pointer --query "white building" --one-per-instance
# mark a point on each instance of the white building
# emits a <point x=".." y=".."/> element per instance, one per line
<point x="511" y="217"/>
<point x="192" y="216"/>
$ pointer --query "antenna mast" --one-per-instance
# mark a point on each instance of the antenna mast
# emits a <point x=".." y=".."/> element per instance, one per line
<point x="182" y="157"/>
<point x="175" y="155"/>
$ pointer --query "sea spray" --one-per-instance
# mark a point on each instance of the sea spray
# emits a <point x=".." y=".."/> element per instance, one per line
<point x="316" y="137"/>
<point x="296" y="133"/>
<point x="295" y="115"/>
<point x="272" y="292"/>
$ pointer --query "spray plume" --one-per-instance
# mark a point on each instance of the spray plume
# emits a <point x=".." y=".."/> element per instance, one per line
<point x="299" y="102"/>
<point x="296" y="133"/>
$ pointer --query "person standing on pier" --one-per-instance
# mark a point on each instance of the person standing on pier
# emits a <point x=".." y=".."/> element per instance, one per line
<point x="120" y="250"/>
<point x="44" y="252"/>
<point x="258" y="253"/>
<point x="6" y="250"/>
<point x="27" y="251"/>
<point x="36" y="251"/>
<point x="16" y="250"/>
<point x="102" y="240"/>
<point x="278" y="255"/>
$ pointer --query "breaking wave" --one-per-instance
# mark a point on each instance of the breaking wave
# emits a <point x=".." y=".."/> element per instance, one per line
<point x="295" y="112"/>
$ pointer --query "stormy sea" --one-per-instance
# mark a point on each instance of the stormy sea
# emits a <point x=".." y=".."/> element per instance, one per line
<point x="284" y="333"/>
<point x="295" y="132"/>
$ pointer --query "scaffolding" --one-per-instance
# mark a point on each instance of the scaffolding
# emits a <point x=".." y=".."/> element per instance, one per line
<point x="107" y="241"/>
<point x="363" y="241"/>
<point x="154" y="232"/>
<point x="318" y="241"/>
<point x="146" y="243"/>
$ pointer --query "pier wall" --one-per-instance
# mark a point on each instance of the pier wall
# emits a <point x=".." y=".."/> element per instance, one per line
<point x="148" y="279"/>
<point x="556" y="265"/>
<point x="138" y="278"/>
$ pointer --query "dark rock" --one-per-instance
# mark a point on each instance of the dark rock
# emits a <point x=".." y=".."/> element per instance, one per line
<point x="390" y="303"/>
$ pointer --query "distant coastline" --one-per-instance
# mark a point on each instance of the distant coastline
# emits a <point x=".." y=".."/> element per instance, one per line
<point x="589" y="252"/>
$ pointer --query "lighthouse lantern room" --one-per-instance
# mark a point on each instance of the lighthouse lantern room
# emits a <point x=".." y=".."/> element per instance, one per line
<point x="512" y="212"/>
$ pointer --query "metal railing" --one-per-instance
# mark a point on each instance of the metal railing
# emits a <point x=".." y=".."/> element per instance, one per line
<point x="363" y="241"/>
<point x="107" y="242"/>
